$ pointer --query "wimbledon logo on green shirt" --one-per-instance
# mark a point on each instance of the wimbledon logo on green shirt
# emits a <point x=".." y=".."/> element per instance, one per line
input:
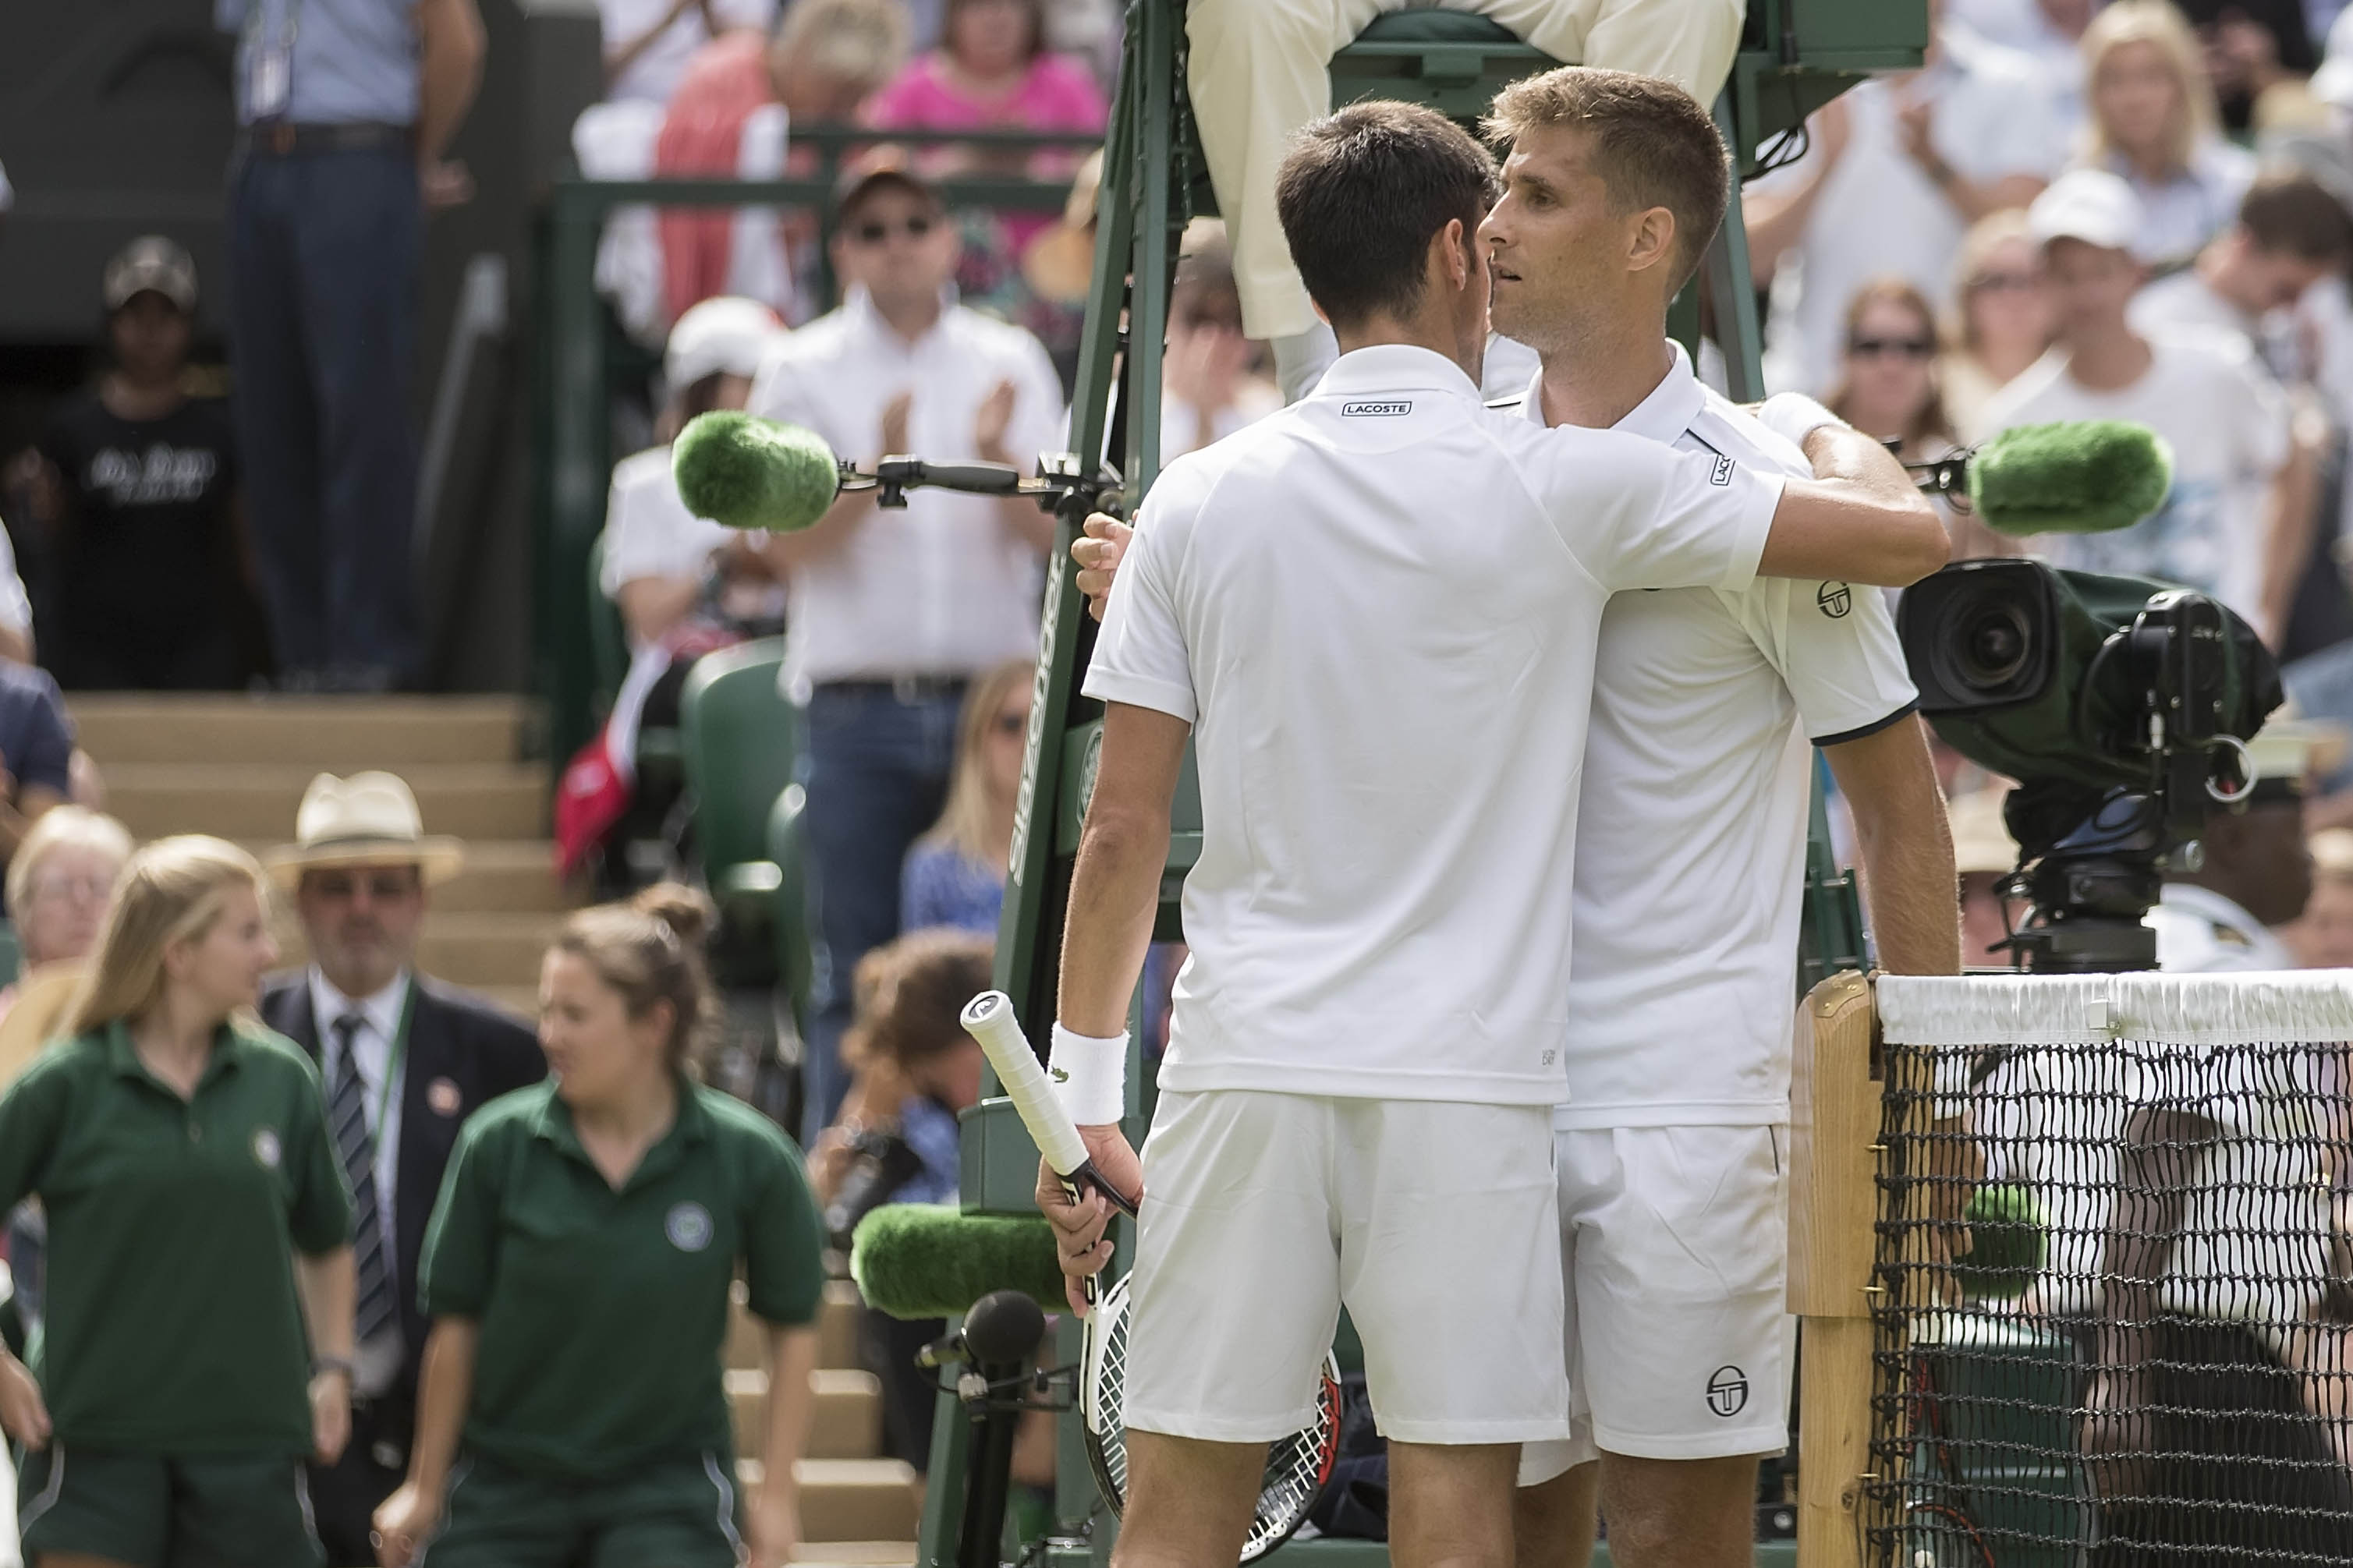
<point x="265" y="1148"/>
<point x="688" y="1227"/>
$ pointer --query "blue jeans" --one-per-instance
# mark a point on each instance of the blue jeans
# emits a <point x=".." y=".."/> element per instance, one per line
<point x="878" y="776"/>
<point x="322" y="272"/>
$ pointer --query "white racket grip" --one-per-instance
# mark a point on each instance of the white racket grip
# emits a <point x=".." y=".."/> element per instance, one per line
<point x="988" y="1018"/>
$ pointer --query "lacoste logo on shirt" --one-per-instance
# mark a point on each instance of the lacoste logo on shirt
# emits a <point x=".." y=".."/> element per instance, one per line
<point x="1060" y="1075"/>
<point x="1834" y="599"/>
<point x="1374" y="410"/>
<point x="1723" y="474"/>
<point x="688" y="1227"/>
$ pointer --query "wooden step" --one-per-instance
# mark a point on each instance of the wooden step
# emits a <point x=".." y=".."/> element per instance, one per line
<point x="851" y="1499"/>
<point x="845" y="1413"/>
<point x="855" y="1554"/>
<point x="257" y="800"/>
<point x="331" y="734"/>
<point x="837" y="1330"/>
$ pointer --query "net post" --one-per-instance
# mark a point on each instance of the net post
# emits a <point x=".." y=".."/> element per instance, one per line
<point x="1834" y="1126"/>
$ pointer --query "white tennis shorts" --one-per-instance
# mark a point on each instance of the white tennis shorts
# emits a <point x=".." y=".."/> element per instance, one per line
<point x="1434" y="1222"/>
<point x="1677" y="1330"/>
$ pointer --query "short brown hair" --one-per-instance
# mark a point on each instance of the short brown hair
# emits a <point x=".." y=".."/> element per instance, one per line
<point x="1365" y="190"/>
<point x="910" y="994"/>
<point x="2289" y="213"/>
<point x="1655" y="145"/>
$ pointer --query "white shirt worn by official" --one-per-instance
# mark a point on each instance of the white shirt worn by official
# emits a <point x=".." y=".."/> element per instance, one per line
<point x="2200" y="931"/>
<point x="1690" y="842"/>
<point x="376" y="1361"/>
<point x="944" y="587"/>
<point x="1378" y="609"/>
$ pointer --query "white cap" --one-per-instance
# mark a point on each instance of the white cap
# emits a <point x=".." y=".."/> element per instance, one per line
<point x="727" y="334"/>
<point x="2089" y="205"/>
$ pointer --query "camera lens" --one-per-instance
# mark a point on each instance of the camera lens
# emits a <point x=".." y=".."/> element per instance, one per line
<point x="1993" y="645"/>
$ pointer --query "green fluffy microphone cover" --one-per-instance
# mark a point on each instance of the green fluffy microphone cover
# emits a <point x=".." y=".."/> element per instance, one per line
<point x="929" y="1260"/>
<point x="749" y="473"/>
<point x="2085" y="476"/>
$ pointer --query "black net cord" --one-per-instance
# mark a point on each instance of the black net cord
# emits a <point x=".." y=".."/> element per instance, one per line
<point x="2114" y="1309"/>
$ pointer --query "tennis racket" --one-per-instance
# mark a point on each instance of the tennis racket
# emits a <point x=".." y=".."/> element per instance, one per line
<point x="1297" y="1465"/>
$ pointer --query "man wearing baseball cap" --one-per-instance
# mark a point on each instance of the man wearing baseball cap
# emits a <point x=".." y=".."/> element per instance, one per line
<point x="892" y="613"/>
<point x="2237" y="523"/>
<point x="144" y="587"/>
<point x="404" y="1061"/>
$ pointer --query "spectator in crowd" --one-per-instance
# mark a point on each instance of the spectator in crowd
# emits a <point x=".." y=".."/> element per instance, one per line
<point x="405" y="1060"/>
<point x="580" y="1257"/>
<point x="1983" y="853"/>
<point x="671" y="574"/>
<point x="59" y="883"/>
<point x="891" y="614"/>
<point x="1209" y="388"/>
<point x="2290" y="233"/>
<point x="344" y="115"/>
<point x="955" y="873"/>
<point x="2227" y="421"/>
<point x="2322" y="937"/>
<point x="184" y="1159"/>
<point x="36" y="752"/>
<point x="914" y="1068"/>
<point x="2053" y="37"/>
<point x="148" y="569"/>
<point x="2256" y="874"/>
<point x="1887" y="387"/>
<point x="1895" y="173"/>
<point x="827" y="58"/>
<point x="648" y="42"/>
<point x="2002" y="315"/>
<point x="2154" y="123"/>
<point x="2251" y="47"/>
<point x="994" y="70"/>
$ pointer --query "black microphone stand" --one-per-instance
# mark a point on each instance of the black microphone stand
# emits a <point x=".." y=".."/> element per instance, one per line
<point x="1000" y="1343"/>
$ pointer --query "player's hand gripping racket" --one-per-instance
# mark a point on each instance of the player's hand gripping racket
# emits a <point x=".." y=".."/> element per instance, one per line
<point x="1297" y="1466"/>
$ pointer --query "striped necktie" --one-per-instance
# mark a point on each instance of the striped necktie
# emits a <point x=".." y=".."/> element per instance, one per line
<point x="355" y="1145"/>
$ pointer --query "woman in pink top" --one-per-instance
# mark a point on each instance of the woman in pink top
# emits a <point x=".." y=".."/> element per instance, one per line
<point x="992" y="72"/>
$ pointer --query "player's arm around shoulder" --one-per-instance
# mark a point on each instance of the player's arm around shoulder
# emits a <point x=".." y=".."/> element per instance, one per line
<point x="1860" y="518"/>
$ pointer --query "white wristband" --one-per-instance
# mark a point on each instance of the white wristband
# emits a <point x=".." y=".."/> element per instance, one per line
<point x="1793" y="417"/>
<point x="1089" y="1076"/>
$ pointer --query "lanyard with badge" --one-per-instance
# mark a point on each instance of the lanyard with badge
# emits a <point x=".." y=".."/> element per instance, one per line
<point x="392" y="1061"/>
<point x="269" y="61"/>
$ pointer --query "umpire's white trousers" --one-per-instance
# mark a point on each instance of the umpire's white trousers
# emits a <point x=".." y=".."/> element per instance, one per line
<point x="1258" y="75"/>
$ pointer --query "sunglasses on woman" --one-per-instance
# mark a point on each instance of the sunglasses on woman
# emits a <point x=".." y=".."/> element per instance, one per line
<point x="1872" y="348"/>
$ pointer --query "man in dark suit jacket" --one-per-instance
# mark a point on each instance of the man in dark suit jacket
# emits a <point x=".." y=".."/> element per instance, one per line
<point x="404" y="1061"/>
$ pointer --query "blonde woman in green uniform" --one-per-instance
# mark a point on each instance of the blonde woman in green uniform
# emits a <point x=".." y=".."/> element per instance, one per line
<point x="576" y="1271"/>
<point x="199" y="1337"/>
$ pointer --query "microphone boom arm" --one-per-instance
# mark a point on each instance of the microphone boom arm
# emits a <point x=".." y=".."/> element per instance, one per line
<point x="1061" y="480"/>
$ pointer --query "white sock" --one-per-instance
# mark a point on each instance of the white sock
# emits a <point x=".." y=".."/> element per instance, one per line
<point x="1301" y="360"/>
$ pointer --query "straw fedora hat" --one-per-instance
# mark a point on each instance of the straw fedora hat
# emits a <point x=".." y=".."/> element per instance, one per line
<point x="1981" y="840"/>
<point x="367" y="819"/>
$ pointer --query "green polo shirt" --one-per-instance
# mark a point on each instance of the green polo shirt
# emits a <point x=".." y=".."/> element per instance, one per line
<point x="603" y="1313"/>
<point x="172" y="1326"/>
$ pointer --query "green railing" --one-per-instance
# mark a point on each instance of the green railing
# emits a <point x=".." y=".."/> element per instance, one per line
<point x="574" y="374"/>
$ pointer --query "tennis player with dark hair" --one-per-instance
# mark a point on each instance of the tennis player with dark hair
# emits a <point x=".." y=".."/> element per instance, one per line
<point x="1690" y="838"/>
<point x="1365" y="1047"/>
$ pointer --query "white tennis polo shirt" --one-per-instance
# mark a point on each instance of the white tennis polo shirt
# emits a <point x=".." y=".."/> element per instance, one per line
<point x="1378" y="609"/>
<point x="1691" y="846"/>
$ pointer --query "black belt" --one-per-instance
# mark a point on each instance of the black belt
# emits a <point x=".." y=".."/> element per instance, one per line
<point x="905" y="688"/>
<point x="284" y="139"/>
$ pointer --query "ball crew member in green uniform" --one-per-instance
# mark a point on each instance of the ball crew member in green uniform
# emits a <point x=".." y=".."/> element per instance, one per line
<point x="197" y="1225"/>
<point x="576" y="1272"/>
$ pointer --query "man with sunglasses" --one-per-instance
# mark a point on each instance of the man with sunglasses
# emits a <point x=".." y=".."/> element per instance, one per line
<point x="404" y="1061"/>
<point x="890" y="615"/>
